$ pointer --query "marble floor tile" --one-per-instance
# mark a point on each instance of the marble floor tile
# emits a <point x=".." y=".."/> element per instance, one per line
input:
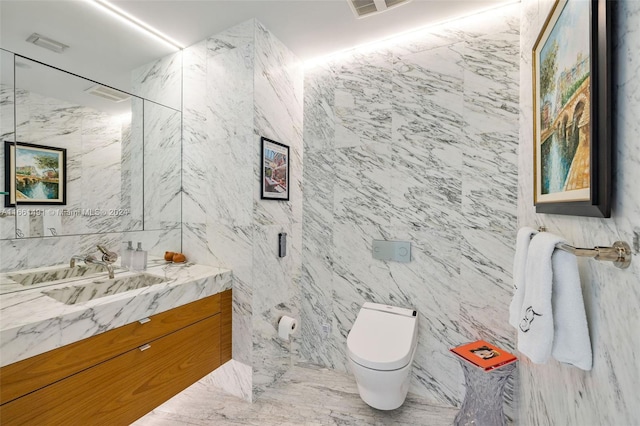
<point x="305" y="395"/>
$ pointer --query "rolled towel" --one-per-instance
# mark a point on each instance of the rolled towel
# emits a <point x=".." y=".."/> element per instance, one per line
<point x="523" y="240"/>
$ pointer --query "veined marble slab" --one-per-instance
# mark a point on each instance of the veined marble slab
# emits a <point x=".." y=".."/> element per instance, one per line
<point x="159" y="80"/>
<point x="556" y="393"/>
<point x="415" y="141"/>
<point x="241" y="84"/>
<point x="33" y="323"/>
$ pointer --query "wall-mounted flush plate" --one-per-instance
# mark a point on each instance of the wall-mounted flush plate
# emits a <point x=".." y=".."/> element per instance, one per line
<point x="397" y="251"/>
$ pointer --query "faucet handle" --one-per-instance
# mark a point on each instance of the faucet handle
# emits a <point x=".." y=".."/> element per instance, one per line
<point x="107" y="256"/>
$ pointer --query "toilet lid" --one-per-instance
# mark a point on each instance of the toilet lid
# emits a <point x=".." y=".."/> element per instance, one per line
<point x="382" y="340"/>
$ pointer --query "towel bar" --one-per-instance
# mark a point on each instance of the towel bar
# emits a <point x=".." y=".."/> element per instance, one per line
<point x="619" y="253"/>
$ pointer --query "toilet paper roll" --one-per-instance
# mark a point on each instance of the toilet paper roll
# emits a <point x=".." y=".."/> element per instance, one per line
<point x="286" y="326"/>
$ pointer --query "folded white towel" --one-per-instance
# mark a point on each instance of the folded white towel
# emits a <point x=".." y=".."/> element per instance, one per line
<point x="571" y="342"/>
<point x="523" y="240"/>
<point x="535" y="328"/>
<point x="553" y="319"/>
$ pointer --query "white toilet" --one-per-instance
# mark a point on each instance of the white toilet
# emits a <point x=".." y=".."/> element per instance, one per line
<point x="381" y="346"/>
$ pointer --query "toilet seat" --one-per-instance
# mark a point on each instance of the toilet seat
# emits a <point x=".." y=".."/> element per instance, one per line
<point x="383" y="337"/>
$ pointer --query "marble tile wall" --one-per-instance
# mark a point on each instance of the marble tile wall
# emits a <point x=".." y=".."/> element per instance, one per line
<point x="160" y="84"/>
<point x="26" y="253"/>
<point x="162" y="166"/>
<point x="560" y="394"/>
<point x="278" y="85"/>
<point x="414" y="140"/>
<point x="132" y="166"/>
<point x="240" y="85"/>
<point x="217" y="199"/>
<point x="160" y="81"/>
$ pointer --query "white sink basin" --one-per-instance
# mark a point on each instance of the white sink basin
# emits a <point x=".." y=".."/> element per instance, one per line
<point x="33" y="278"/>
<point x="102" y="288"/>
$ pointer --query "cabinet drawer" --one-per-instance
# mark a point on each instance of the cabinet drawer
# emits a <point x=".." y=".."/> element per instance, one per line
<point x="121" y="390"/>
<point x="36" y="372"/>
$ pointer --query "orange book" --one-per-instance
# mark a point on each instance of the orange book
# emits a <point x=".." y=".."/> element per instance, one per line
<point x="484" y="355"/>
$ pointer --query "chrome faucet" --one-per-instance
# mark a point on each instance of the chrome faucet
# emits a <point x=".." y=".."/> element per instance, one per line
<point x="108" y="265"/>
<point x="107" y="256"/>
<point x="74" y="258"/>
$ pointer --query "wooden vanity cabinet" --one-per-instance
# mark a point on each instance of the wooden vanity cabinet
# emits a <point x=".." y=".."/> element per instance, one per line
<point x="184" y="345"/>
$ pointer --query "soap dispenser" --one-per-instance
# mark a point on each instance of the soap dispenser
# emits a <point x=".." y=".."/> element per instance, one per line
<point x="127" y="255"/>
<point x="139" y="259"/>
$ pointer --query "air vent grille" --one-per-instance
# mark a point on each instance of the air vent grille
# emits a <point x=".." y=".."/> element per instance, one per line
<point x="391" y="3"/>
<point x="362" y="8"/>
<point x="108" y="93"/>
<point x="47" y="43"/>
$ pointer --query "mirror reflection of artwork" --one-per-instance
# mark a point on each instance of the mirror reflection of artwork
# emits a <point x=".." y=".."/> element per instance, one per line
<point x="275" y="170"/>
<point x="103" y="131"/>
<point x="36" y="174"/>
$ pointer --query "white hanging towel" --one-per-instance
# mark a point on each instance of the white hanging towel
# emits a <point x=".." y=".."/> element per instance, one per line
<point x="552" y="318"/>
<point x="52" y="223"/>
<point x="523" y="240"/>
<point x="571" y="341"/>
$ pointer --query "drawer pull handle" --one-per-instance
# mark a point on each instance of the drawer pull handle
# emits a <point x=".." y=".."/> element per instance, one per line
<point x="144" y="320"/>
<point x="144" y="347"/>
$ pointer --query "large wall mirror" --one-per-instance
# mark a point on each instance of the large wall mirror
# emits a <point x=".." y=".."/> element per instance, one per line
<point x="82" y="158"/>
<point x="7" y="130"/>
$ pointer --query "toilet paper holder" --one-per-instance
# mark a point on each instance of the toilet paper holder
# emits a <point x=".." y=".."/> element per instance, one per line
<point x="286" y="327"/>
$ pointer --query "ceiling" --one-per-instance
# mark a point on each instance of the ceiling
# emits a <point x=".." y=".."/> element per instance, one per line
<point x="106" y="50"/>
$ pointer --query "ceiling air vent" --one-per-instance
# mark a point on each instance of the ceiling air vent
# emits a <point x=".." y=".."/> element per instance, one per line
<point x="47" y="43"/>
<point x="108" y="93"/>
<point x="362" y="8"/>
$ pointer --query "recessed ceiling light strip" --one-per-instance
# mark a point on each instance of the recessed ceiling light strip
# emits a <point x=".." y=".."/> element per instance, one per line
<point x="395" y="37"/>
<point x="137" y="23"/>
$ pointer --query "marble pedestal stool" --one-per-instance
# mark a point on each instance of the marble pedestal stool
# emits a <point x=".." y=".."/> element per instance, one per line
<point x="482" y="404"/>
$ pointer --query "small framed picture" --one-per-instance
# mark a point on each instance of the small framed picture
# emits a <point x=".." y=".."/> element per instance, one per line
<point x="275" y="170"/>
<point x="572" y="110"/>
<point x="35" y="174"/>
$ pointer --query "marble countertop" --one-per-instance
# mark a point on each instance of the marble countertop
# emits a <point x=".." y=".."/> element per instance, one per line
<point x="32" y="323"/>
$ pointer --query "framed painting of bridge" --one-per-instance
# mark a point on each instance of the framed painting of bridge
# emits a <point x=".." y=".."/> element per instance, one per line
<point x="35" y="174"/>
<point x="572" y="104"/>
